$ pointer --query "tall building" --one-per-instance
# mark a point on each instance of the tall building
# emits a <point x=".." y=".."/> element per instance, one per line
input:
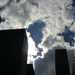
<point x="30" y="70"/>
<point x="61" y="62"/>
<point x="13" y="52"/>
<point x="0" y="18"/>
<point x="73" y="68"/>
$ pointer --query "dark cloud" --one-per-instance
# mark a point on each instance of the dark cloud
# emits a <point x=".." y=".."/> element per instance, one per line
<point x="17" y="1"/>
<point x="33" y="2"/>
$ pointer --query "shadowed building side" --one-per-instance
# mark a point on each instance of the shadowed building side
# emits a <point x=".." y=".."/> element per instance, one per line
<point x="0" y="18"/>
<point x="61" y="62"/>
<point x="13" y="52"/>
<point x="73" y="68"/>
<point x="30" y="70"/>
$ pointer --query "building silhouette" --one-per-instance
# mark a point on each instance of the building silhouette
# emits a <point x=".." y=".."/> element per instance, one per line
<point x="73" y="67"/>
<point x="29" y="70"/>
<point x="0" y="18"/>
<point x="13" y="52"/>
<point x="61" y="62"/>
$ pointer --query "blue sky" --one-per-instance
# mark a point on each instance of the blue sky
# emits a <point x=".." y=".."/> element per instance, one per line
<point x="68" y="36"/>
<point x="35" y="31"/>
<point x="73" y="4"/>
<point x="50" y="25"/>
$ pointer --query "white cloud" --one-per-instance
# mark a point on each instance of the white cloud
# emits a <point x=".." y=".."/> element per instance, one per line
<point x="3" y="2"/>
<point x="50" y="42"/>
<point x="25" y="13"/>
<point x="72" y="28"/>
<point x="55" y="13"/>
<point x="68" y="14"/>
<point x="16" y="15"/>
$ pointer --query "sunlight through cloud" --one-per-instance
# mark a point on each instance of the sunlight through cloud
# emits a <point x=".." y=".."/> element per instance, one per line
<point x="32" y="50"/>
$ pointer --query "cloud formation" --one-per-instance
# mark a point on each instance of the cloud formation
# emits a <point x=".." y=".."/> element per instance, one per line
<point x="16" y="14"/>
<point x="56" y="14"/>
<point x="46" y="65"/>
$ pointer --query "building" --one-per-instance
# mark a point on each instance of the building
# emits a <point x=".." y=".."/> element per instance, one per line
<point x="0" y="18"/>
<point x="30" y="70"/>
<point x="13" y="52"/>
<point x="61" y="62"/>
<point x="73" y="68"/>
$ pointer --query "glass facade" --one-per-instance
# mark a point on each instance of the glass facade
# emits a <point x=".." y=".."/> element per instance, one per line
<point x="61" y="62"/>
<point x="13" y="52"/>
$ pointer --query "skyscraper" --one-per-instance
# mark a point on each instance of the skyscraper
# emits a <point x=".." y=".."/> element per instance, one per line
<point x="0" y="18"/>
<point x="73" y="68"/>
<point x="29" y="70"/>
<point x="61" y="62"/>
<point x="13" y="52"/>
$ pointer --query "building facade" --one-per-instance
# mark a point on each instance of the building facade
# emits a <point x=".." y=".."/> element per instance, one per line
<point x="61" y="62"/>
<point x="13" y="52"/>
<point x="73" y="67"/>
<point x="30" y="70"/>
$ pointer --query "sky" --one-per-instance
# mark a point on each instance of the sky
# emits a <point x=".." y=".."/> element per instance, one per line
<point x="49" y="24"/>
